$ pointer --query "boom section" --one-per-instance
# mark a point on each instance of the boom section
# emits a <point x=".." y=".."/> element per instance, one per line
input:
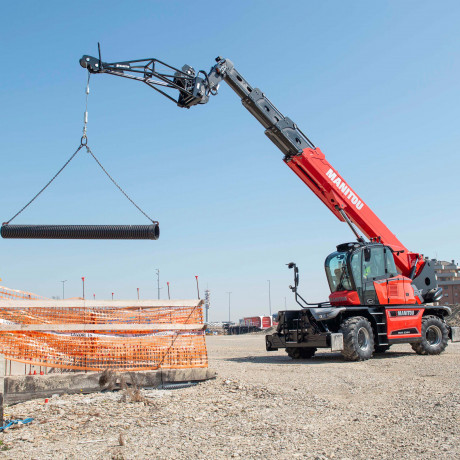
<point x="310" y="164"/>
<point x="281" y="130"/>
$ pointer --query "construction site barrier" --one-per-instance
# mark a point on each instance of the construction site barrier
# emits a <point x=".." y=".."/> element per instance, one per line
<point x="7" y="293"/>
<point x="97" y="335"/>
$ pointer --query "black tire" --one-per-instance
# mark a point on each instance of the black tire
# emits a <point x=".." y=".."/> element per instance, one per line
<point x="301" y="352"/>
<point x="307" y="353"/>
<point x="434" y="337"/>
<point x="358" y="339"/>
<point x="293" y="353"/>
<point x="381" y="348"/>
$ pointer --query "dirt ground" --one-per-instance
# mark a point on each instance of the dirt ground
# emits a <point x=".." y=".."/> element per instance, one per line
<point x="262" y="405"/>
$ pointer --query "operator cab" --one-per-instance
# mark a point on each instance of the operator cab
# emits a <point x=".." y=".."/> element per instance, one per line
<point x="354" y="271"/>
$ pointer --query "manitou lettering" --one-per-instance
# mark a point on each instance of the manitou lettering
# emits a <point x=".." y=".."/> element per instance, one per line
<point x="343" y="187"/>
<point x="404" y="313"/>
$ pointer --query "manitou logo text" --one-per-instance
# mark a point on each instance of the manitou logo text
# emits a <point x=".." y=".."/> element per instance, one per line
<point x="343" y="187"/>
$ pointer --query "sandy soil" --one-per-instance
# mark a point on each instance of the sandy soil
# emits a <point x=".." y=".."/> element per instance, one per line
<point x="262" y="405"/>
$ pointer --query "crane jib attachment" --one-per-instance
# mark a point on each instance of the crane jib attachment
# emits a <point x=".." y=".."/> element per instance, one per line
<point x="300" y="154"/>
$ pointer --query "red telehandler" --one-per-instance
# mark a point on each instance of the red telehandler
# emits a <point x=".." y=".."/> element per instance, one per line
<point x="381" y="293"/>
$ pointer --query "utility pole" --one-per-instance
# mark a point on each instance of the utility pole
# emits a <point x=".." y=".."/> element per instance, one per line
<point x="207" y="303"/>
<point x="197" y="287"/>
<point x="229" y="294"/>
<point x="83" y="280"/>
<point x="169" y="296"/>
<point x="63" y="289"/>
<point x="269" y="299"/>
<point x="158" y="281"/>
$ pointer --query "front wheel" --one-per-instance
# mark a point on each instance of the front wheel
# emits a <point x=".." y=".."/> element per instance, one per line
<point x="301" y="352"/>
<point x="358" y="338"/>
<point x="434" y="337"/>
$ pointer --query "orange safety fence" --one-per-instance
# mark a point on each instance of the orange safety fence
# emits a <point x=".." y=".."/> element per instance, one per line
<point x="7" y="293"/>
<point x="96" y="335"/>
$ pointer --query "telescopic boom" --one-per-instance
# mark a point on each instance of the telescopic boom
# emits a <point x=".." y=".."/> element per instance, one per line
<point x="300" y="154"/>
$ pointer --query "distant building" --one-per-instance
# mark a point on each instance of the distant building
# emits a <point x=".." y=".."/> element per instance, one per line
<point x="448" y="274"/>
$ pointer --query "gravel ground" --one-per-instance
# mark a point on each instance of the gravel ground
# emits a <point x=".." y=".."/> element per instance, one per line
<point x="262" y="405"/>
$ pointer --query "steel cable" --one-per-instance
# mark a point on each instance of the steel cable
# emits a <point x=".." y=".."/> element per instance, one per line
<point x="151" y="232"/>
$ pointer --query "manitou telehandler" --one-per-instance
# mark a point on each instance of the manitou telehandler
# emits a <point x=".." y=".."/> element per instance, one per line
<point x="381" y="293"/>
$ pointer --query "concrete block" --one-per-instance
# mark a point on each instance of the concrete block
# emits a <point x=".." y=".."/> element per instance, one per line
<point x="24" y="388"/>
<point x="336" y="342"/>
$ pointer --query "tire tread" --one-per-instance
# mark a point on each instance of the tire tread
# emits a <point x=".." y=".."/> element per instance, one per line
<point x="348" y="329"/>
<point x="422" y="348"/>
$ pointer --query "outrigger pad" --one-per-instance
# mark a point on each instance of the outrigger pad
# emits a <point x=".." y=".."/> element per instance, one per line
<point x="82" y="232"/>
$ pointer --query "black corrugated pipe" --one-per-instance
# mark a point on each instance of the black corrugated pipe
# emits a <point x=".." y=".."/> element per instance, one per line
<point x="82" y="232"/>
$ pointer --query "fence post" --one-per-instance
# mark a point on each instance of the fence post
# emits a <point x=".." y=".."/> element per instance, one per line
<point x="2" y="385"/>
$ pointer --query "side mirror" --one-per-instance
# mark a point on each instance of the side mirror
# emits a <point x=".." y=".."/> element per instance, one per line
<point x="367" y="254"/>
<point x="296" y="275"/>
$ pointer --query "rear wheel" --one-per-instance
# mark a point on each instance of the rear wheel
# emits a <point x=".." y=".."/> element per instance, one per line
<point x="358" y="339"/>
<point x="301" y="353"/>
<point x="434" y="336"/>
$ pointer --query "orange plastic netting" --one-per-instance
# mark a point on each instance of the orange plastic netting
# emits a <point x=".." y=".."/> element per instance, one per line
<point x="7" y="293"/>
<point x="91" y="349"/>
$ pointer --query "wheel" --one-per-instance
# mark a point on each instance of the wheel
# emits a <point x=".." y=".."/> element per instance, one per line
<point x="293" y="353"/>
<point x="358" y="339"/>
<point x="381" y="348"/>
<point x="434" y="337"/>
<point x="301" y="353"/>
<point x="307" y="353"/>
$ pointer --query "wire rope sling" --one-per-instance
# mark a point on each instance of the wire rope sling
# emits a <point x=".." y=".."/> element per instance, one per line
<point x="88" y="232"/>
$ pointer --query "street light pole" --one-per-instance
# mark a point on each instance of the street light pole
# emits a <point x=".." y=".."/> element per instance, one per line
<point x="229" y="294"/>
<point x="158" y="281"/>
<point x="207" y="302"/>
<point x="269" y="298"/>
<point x="63" y="289"/>
<point x="83" y="280"/>
<point x="197" y="287"/>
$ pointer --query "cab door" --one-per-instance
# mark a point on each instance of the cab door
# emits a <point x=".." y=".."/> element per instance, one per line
<point x="373" y="271"/>
<point x="396" y="283"/>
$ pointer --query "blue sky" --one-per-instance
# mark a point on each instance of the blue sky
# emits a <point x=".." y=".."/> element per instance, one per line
<point x="374" y="84"/>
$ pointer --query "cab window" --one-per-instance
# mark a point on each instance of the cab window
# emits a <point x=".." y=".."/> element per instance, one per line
<point x="390" y="261"/>
<point x="356" y="268"/>
<point x="374" y="268"/>
<point x="337" y="272"/>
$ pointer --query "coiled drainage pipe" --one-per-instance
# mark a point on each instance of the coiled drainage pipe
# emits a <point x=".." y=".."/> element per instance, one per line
<point x="82" y="232"/>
